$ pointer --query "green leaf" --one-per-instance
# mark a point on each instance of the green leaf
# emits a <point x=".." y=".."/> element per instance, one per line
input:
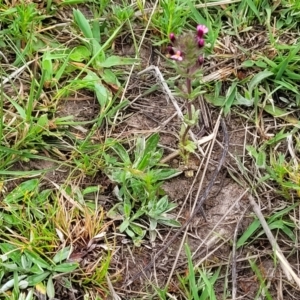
<point x="82" y="23"/>
<point x="261" y="280"/>
<point x="112" y="112"/>
<point x="61" y="255"/>
<point x="261" y="64"/>
<point x="281" y="135"/>
<point x="287" y="86"/>
<point x="90" y="189"/>
<point x="282" y="114"/>
<point x="47" y="65"/>
<point x="10" y="251"/>
<point x="230" y="97"/>
<point x="137" y="215"/>
<point x="163" y="202"/>
<point x="289" y="233"/>
<point x="292" y="75"/>
<point x="248" y="63"/>
<point x="270" y="62"/>
<point x="124" y="225"/>
<point x="65" y="267"/>
<point x="153" y="224"/>
<point x="37" y="278"/>
<point x="23" y="189"/>
<point x="50" y="288"/>
<point x="208" y="286"/>
<point x="103" y="95"/>
<point x="253" y="8"/>
<point x="10" y="283"/>
<point x="96" y="29"/>
<point x="11" y="267"/>
<point x="41" y="125"/>
<point x="240" y="100"/>
<point x="283" y="65"/>
<point x="282" y="212"/>
<point x="139" y="152"/>
<point x="248" y="233"/>
<point x="137" y="230"/>
<point x="261" y="159"/>
<point x="170" y="222"/>
<point x="151" y="143"/>
<point x="259" y="78"/>
<point x="164" y="174"/>
<point x="19" y="108"/>
<point x="123" y="154"/>
<point x="191" y="274"/>
<point x="117" y="61"/>
<point x="109" y="77"/>
<point x="127" y="208"/>
<point x="30" y="294"/>
<point x="36" y="259"/>
<point x="145" y="161"/>
<point x="80" y="53"/>
<point x="216" y="101"/>
<point x="209" y="294"/>
<point x="196" y="13"/>
<point x="190" y="146"/>
<point x="130" y="233"/>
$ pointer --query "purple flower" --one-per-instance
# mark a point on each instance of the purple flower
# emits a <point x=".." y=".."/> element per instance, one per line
<point x="201" y="30"/>
<point x="177" y="56"/>
<point x="172" y="37"/>
<point x="188" y="48"/>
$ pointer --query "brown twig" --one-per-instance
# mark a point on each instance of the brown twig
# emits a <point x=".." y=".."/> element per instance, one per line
<point x="198" y="208"/>
<point x="285" y="266"/>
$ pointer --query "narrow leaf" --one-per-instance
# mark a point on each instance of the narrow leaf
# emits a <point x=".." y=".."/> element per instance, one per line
<point x="82" y="23"/>
<point x="248" y="233"/>
<point x="117" y="61"/>
<point x="259" y="78"/>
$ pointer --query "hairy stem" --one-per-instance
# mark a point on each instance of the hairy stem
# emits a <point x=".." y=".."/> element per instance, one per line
<point x="189" y="110"/>
<point x="189" y="91"/>
<point x="184" y="136"/>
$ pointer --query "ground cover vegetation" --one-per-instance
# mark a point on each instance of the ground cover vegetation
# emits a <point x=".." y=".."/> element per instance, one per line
<point x="149" y="149"/>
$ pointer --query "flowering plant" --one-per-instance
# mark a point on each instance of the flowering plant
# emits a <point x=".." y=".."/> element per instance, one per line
<point x="187" y="52"/>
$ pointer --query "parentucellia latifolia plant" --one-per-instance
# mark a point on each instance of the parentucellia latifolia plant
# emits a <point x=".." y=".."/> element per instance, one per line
<point x="186" y="51"/>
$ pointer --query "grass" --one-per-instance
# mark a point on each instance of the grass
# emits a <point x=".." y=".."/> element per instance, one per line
<point x="85" y="187"/>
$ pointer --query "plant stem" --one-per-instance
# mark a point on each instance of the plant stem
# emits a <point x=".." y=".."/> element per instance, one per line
<point x="189" y="111"/>
<point x="189" y="107"/>
<point x="189" y="91"/>
<point x="184" y="136"/>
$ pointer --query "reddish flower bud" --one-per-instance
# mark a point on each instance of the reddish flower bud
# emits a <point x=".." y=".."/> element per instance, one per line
<point x="200" y="60"/>
<point x="170" y="50"/>
<point x="172" y="37"/>
<point x="201" y="30"/>
<point x="200" y="42"/>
